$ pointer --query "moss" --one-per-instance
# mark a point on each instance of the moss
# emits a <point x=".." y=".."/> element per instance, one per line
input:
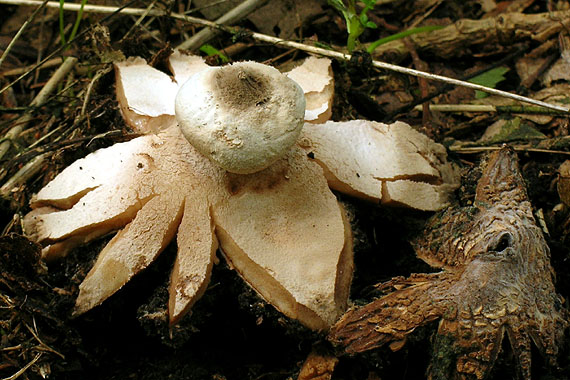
<point x="515" y="130"/>
<point x="444" y="357"/>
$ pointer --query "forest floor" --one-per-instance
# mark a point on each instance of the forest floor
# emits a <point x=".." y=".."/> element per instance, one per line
<point x="522" y="45"/>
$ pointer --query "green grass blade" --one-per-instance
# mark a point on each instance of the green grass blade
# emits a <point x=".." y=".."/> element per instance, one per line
<point x="77" y="21"/>
<point x="405" y="33"/>
<point x="211" y="51"/>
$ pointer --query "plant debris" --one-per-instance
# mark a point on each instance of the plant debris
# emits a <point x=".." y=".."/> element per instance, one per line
<point x="496" y="279"/>
<point x="128" y="335"/>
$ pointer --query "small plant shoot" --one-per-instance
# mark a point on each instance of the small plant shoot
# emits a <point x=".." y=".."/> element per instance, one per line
<point x="356" y="23"/>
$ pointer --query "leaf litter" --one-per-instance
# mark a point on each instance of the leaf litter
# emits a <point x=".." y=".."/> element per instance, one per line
<point x="381" y="235"/>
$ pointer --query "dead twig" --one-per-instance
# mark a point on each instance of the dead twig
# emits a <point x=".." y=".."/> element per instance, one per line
<point x="24" y="174"/>
<point x="518" y="148"/>
<point x="494" y="31"/>
<point x="21" y="30"/>
<point x="96" y="77"/>
<point x="21" y="70"/>
<point x="59" y="50"/>
<point x="39" y="100"/>
<point x="489" y="108"/>
<point x="279" y="42"/>
<point x="424" y="91"/>
<point x="42" y="345"/>
<point x="41" y="154"/>
<point x="425" y="15"/>
<point x="139" y="20"/>
<point x="25" y="368"/>
<point x="231" y="17"/>
<point x="556" y="145"/>
<point x="447" y="87"/>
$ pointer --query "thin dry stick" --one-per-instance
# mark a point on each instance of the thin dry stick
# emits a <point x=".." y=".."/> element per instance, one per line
<point x="488" y="108"/>
<point x="421" y="18"/>
<point x="296" y="45"/>
<point x="139" y="20"/>
<point x="518" y="148"/>
<point x="23" y="175"/>
<point x="42" y="344"/>
<point x="96" y="77"/>
<point x="39" y="100"/>
<point x="86" y="8"/>
<point x="43" y="138"/>
<point x="424" y="91"/>
<point x="56" y="51"/>
<point x="20" y="70"/>
<point x="231" y="17"/>
<point x="20" y="31"/>
<point x="404" y="70"/>
<point x="25" y="368"/>
<point x="33" y="166"/>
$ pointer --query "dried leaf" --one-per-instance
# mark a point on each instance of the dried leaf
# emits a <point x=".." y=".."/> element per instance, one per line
<point x="559" y="71"/>
<point x="284" y="17"/>
<point x="318" y="367"/>
<point x="564" y="182"/>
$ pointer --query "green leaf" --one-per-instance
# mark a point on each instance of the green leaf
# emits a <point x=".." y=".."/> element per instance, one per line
<point x="211" y="51"/>
<point x="65" y="41"/>
<point x="77" y="20"/>
<point x="338" y="5"/>
<point x="405" y="33"/>
<point x="355" y="23"/>
<point x="489" y="79"/>
<point x="371" y="25"/>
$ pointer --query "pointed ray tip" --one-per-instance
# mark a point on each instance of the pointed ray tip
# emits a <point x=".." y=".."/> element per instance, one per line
<point x="501" y="179"/>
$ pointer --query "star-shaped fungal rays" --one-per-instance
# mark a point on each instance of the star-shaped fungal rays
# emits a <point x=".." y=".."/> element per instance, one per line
<point x="281" y="228"/>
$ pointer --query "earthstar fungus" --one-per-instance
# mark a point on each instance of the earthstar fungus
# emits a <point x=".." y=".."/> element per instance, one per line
<point x="281" y="228"/>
